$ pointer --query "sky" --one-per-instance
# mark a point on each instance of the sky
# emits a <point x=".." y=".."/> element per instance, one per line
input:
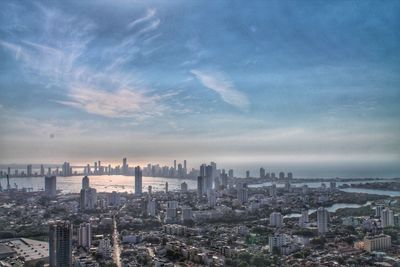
<point x="310" y="87"/>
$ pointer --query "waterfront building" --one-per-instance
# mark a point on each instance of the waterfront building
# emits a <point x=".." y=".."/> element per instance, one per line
<point x="138" y="181"/>
<point x="50" y="186"/>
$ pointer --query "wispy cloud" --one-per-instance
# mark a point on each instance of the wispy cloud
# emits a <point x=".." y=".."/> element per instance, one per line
<point x="222" y="85"/>
<point x="61" y="55"/>
<point x="149" y="14"/>
<point x="123" y="103"/>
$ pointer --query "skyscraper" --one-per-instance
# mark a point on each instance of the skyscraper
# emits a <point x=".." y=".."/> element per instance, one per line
<point x="242" y="193"/>
<point x="85" y="182"/>
<point x="185" y="167"/>
<point x="41" y="170"/>
<point x="209" y="179"/>
<point x="50" y="186"/>
<point x="60" y="244"/>
<point x="281" y="175"/>
<point x="88" y="199"/>
<point x="322" y="220"/>
<point x="29" y="170"/>
<point x="138" y="181"/>
<point x="85" y="235"/>
<point x="66" y="169"/>
<point x="124" y="167"/>
<point x="230" y="173"/>
<point x="200" y="182"/>
<point x="247" y="174"/>
<point x="262" y="172"/>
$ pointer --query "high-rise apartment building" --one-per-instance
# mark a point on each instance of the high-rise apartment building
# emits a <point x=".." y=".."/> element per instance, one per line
<point x="88" y="199"/>
<point x="138" y="181"/>
<point x="387" y="218"/>
<point x="276" y="219"/>
<point x="85" y="235"/>
<point x="322" y="220"/>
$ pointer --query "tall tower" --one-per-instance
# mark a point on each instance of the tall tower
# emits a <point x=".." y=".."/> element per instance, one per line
<point x="88" y="199"/>
<point x="29" y="170"/>
<point x="262" y="172"/>
<point x="200" y="186"/>
<point x="50" y="186"/>
<point x="124" y="167"/>
<point x="138" y="181"/>
<point x="60" y="244"/>
<point x="41" y="170"/>
<point x="85" y="182"/>
<point x="322" y="220"/>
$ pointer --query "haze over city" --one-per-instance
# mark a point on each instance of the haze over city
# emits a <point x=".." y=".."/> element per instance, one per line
<point x="313" y="86"/>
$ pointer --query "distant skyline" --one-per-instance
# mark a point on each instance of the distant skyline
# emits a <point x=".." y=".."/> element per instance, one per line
<point x="312" y="88"/>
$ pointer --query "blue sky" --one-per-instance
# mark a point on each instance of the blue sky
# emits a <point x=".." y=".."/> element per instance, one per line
<point x="272" y="83"/>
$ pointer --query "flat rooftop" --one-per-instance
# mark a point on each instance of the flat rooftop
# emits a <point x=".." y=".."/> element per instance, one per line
<point x="23" y="247"/>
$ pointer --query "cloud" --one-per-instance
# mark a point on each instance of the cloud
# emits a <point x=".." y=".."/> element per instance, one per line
<point x="149" y="14"/>
<point x="60" y="56"/>
<point x="123" y="103"/>
<point x="222" y="85"/>
<point x="12" y="47"/>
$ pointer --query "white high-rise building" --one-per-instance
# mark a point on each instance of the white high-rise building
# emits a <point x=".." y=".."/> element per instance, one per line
<point x="276" y="219"/>
<point x="138" y="181"/>
<point x="303" y="220"/>
<point x="322" y="220"/>
<point x="276" y="241"/>
<point x="242" y="193"/>
<point x="85" y="235"/>
<point x="387" y="218"/>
